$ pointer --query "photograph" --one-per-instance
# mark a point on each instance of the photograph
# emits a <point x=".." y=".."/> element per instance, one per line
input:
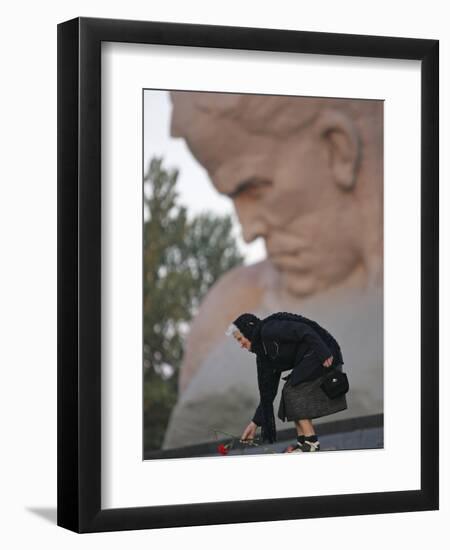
<point x="262" y="298"/>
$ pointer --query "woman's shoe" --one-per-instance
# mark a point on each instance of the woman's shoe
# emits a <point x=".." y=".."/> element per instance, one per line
<point x="310" y="446"/>
<point x="306" y="447"/>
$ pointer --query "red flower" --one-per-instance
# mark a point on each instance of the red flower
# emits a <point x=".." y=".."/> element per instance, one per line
<point x="223" y="449"/>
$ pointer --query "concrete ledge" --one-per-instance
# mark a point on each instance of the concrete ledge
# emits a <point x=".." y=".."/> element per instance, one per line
<point x="365" y="432"/>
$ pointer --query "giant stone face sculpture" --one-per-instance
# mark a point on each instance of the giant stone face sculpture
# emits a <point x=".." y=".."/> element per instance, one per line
<point x="306" y="175"/>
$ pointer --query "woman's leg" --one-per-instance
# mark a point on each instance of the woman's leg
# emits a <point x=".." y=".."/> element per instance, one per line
<point x="298" y="428"/>
<point x="306" y="427"/>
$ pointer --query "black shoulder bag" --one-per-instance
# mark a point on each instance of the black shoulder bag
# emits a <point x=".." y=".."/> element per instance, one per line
<point x="335" y="383"/>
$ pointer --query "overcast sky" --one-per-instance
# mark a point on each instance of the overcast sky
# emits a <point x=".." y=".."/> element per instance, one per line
<point x="195" y="189"/>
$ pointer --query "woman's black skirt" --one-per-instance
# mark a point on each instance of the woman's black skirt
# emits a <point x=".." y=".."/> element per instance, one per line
<point x="307" y="400"/>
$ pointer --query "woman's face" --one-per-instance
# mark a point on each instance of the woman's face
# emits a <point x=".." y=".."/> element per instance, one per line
<point x="243" y="341"/>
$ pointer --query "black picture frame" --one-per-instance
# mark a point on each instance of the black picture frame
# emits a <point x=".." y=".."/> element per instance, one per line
<point x="79" y="274"/>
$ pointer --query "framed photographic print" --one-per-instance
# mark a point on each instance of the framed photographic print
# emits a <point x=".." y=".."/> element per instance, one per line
<point x="247" y="274"/>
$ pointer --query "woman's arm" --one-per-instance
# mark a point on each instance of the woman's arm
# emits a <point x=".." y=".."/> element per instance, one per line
<point x="275" y="381"/>
<point x="257" y="417"/>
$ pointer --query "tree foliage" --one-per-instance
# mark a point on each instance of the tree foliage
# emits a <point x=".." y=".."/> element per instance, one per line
<point x="182" y="259"/>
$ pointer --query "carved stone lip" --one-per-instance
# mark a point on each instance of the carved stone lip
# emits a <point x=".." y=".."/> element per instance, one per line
<point x="284" y="254"/>
<point x="289" y="262"/>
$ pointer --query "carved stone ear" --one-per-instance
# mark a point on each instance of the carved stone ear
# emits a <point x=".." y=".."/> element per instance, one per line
<point x="343" y="144"/>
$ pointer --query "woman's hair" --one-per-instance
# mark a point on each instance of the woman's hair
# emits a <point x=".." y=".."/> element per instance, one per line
<point x="246" y="324"/>
<point x="233" y="330"/>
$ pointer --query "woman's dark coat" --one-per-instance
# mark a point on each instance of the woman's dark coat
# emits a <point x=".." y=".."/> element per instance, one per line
<point x="292" y="344"/>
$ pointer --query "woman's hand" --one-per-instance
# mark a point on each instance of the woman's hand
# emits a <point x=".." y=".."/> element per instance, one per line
<point x="327" y="362"/>
<point x="249" y="432"/>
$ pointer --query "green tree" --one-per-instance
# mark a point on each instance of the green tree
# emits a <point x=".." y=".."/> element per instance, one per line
<point x="182" y="259"/>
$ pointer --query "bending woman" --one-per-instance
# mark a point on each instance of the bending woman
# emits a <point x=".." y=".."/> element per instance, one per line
<point x="284" y="341"/>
